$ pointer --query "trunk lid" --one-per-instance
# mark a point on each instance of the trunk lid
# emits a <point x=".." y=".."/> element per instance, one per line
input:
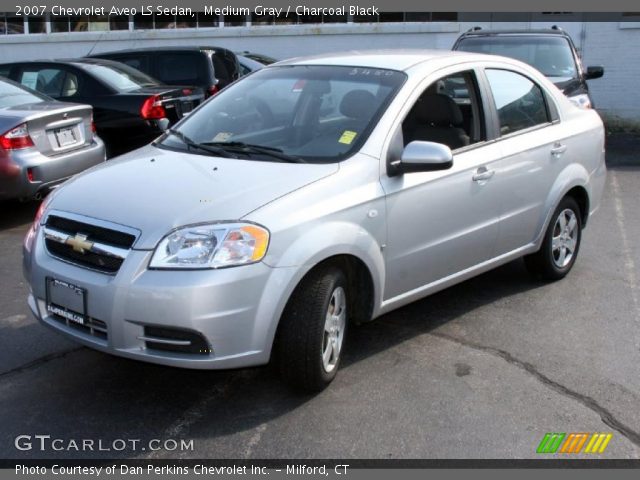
<point x="54" y="127"/>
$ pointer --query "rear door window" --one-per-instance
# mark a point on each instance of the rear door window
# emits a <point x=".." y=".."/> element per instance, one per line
<point x="519" y="101"/>
<point x="54" y="82"/>
<point x="181" y="68"/>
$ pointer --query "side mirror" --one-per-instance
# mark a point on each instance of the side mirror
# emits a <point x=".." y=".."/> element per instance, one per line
<point x="594" y="72"/>
<point x="420" y="156"/>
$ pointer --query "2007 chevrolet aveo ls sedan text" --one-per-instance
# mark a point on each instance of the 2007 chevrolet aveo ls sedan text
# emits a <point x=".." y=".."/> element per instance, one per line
<point x="313" y="195"/>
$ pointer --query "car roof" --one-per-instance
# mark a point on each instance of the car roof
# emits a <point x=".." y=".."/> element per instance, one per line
<point x="400" y="59"/>
<point x="539" y="31"/>
<point x="69" y="61"/>
<point x="163" y="49"/>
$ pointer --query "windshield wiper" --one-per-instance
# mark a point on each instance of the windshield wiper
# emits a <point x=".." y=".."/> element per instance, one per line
<point x="200" y="146"/>
<point x="253" y="148"/>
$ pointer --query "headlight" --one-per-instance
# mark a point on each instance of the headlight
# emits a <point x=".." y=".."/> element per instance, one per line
<point x="35" y="226"/>
<point x="581" y="101"/>
<point x="211" y="246"/>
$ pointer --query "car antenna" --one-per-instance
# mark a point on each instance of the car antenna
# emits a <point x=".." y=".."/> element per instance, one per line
<point x="95" y="43"/>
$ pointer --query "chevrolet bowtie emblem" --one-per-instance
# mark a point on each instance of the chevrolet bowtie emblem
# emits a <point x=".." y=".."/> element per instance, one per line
<point x="79" y="243"/>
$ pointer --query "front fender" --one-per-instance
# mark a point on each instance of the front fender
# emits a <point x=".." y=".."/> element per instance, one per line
<point x="330" y="239"/>
<point x="308" y="250"/>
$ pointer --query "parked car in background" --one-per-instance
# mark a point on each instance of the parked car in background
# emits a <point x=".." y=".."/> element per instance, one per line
<point x="210" y="68"/>
<point x="245" y="235"/>
<point x="549" y="50"/>
<point x="130" y="108"/>
<point x="258" y="57"/>
<point x="248" y="65"/>
<point x="42" y="142"/>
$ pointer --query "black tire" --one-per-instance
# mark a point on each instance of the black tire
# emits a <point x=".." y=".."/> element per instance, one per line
<point x="545" y="263"/>
<point x="301" y="334"/>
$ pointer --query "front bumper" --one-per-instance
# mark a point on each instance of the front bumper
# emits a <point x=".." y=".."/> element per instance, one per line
<point x="48" y="172"/>
<point x="235" y="309"/>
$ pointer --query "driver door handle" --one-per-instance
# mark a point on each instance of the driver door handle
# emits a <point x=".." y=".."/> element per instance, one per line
<point x="482" y="175"/>
<point x="558" y="149"/>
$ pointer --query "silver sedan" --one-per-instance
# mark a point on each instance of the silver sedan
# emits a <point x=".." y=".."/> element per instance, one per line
<point x="313" y="195"/>
<point x="42" y="142"/>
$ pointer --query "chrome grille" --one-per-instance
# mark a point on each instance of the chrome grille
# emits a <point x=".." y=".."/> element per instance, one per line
<point x="88" y="243"/>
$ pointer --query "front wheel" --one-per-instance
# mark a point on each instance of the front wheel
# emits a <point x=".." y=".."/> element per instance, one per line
<point x="312" y="330"/>
<point x="561" y="243"/>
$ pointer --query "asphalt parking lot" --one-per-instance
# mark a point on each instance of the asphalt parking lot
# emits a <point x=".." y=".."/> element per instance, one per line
<point x="481" y="370"/>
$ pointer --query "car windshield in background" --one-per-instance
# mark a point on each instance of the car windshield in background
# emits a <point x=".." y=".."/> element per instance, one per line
<point x="11" y="95"/>
<point x="551" y="55"/>
<point x="291" y="113"/>
<point x="119" y="76"/>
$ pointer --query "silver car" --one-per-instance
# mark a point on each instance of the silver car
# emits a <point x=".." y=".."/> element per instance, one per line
<point x="42" y="142"/>
<point x="313" y="195"/>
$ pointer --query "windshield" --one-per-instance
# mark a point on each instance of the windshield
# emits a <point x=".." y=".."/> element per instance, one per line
<point x="309" y="113"/>
<point x="551" y="55"/>
<point x="119" y="76"/>
<point x="11" y="94"/>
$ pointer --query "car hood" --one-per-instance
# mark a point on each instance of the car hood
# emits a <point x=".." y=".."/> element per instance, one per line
<point x="155" y="190"/>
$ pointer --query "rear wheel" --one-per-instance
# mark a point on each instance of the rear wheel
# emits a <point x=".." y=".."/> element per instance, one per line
<point x="312" y="330"/>
<point x="561" y="243"/>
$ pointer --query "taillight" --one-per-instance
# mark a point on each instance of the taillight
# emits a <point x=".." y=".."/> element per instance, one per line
<point x="212" y="90"/>
<point x="152" y="109"/>
<point x="30" y="176"/>
<point x="93" y="124"/>
<point x="16" y="138"/>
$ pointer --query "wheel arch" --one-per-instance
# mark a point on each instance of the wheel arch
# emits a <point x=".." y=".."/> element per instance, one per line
<point x="581" y="196"/>
<point x="573" y="181"/>
<point x="345" y="245"/>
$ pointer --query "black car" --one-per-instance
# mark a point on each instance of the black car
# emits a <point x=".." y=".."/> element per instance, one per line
<point x="549" y="50"/>
<point x="130" y="108"/>
<point x="210" y="68"/>
<point x="258" y="57"/>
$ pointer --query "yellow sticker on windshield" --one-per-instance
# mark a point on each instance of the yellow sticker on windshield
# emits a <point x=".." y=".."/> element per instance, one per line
<point x="222" y="137"/>
<point x="347" y="137"/>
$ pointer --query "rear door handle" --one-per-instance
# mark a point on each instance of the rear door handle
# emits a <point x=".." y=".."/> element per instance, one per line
<point x="558" y="149"/>
<point x="482" y="175"/>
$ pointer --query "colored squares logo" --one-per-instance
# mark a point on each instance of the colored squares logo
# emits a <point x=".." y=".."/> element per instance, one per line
<point x="574" y="443"/>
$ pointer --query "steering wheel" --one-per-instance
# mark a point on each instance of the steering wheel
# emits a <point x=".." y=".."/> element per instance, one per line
<point x="263" y="109"/>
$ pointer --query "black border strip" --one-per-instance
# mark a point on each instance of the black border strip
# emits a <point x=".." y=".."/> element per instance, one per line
<point x="546" y="463"/>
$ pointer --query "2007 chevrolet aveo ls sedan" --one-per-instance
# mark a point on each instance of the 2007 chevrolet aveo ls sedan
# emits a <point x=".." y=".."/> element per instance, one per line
<point x="313" y="195"/>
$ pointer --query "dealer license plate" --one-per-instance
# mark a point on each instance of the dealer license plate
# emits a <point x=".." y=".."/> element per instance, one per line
<point x="66" y="300"/>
